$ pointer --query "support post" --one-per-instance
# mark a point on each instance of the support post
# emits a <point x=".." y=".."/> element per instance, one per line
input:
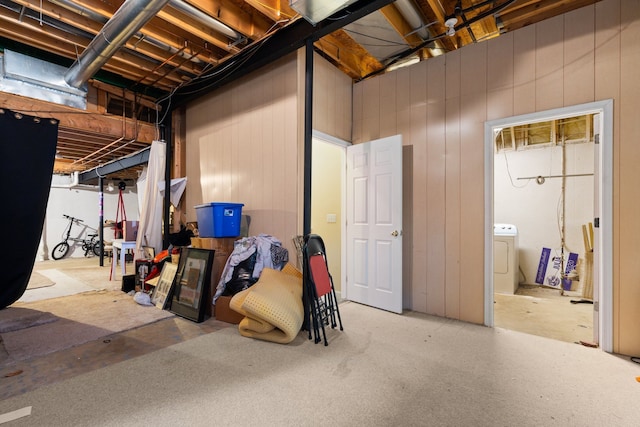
<point x="101" y="219"/>
<point x="165" y="135"/>
<point x="308" y="130"/>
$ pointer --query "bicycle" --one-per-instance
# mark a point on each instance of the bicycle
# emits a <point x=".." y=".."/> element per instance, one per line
<point x="90" y="244"/>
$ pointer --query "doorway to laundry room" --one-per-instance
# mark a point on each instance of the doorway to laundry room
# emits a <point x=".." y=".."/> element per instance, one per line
<point x="545" y="199"/>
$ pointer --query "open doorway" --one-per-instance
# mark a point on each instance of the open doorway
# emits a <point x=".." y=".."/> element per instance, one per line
<point x="545" y="242"/>
<point x="327" y="200"/>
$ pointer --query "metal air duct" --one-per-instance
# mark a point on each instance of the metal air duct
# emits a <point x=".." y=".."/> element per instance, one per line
<point x="407" y="9"/>
<point x="127" y="20"/>
<point x="205" y="19"/>
<point x="95" y="16"/>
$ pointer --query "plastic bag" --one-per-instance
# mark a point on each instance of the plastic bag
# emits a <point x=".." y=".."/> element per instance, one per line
<point x="142" y="298"/>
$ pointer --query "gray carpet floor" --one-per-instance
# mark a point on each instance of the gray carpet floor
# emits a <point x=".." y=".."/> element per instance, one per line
<point x="382" y="370"/>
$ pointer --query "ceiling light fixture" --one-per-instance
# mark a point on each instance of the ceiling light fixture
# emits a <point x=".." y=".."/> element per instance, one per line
<point x="450" y="24"/>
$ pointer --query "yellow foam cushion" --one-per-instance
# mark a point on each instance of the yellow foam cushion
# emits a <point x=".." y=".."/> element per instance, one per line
<point x="272" y="306"/>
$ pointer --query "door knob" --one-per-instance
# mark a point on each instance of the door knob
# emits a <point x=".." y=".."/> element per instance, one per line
<point x="395" y="233"/>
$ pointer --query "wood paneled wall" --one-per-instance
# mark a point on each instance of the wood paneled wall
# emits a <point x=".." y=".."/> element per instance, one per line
<point x="440" y="106"/>
<point x="243" y="145"/>
<point x="331" y="100"/>
<point x="245" y="142"/>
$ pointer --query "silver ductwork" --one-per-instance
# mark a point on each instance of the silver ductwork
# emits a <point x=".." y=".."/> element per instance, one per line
<point x="95" y="16"/>
<point x="205" y="19"/>
<point x="26" y="76"/>
<point x="127" y="20"/>
<point x="408" y="10"/>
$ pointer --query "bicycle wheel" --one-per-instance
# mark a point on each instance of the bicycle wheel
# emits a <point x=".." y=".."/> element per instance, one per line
<point x="60" y="251"/>
<point x="96" y="248"/>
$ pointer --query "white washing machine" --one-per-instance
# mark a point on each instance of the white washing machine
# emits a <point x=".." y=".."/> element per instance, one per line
<point x="505" y="258"/>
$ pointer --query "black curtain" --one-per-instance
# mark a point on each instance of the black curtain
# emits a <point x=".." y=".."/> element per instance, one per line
<point x="27" y="152"/>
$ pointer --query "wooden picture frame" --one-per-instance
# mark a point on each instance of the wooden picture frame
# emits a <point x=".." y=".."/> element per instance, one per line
<point x="148" y="252"/>
<point x="191" y="287"/>
<point x="162" y="290"/>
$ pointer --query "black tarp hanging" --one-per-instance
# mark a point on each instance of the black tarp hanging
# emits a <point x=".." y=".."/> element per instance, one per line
<point x="27" y="153"/>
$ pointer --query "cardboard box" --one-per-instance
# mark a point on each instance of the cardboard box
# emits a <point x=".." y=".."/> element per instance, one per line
<point x="550" y="269"/>
<point x="225" y="313"/>
<point x="222" y="248"/>
<point x="223" y="244"/>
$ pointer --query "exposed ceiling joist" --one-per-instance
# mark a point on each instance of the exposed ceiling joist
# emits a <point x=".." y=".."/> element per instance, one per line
<point x="192" y="47"/>
<point x="286" y="40"/>
<point x="124" y="163"/>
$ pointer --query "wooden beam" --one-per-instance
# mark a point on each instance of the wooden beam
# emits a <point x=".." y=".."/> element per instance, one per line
<point x="285" y="41"/>
<point x="79" y="119"/>
<point x="353" y="59"/>
<point x="65" y="166"/>
<point x="178" y="128"/>
<point x="531" y="12"/>
<point x="126" y="94"/>
<point x="246" y="20"/>
<point x="438" y="10"/>
<point x="269" y="8"/>
<point x="193" y="26"/>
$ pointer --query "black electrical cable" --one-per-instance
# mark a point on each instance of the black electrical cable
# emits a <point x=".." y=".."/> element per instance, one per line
<point x="422" y="45"/>
<point x="222" y="72"/>
<point x="635" y="359"/>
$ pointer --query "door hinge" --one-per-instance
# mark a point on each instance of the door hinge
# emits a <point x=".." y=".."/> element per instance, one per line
<point x="596" y="306"/>
<point x="596" y="222"/>
<point x="596" y="138"/>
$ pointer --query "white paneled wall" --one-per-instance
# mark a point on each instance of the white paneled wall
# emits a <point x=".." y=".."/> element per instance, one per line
<point x="244" y="143"/>
<point x="587" y="55"/>
<point x="242" y="146"/>
<point x="82" y="202"/>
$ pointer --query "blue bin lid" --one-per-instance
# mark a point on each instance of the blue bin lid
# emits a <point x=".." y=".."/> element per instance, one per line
<point x="212" y="204"/>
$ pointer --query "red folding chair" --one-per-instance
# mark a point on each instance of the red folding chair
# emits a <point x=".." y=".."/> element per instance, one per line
<point x="321" y="302"/>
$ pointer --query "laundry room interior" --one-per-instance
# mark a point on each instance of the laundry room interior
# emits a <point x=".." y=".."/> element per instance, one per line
<point x="544" y="190"/>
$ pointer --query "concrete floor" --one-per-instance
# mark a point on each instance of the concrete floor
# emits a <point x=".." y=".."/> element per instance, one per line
<point x="545" y="312"/>
<point x="536" y="311"/>
<point x="84" y="275"/>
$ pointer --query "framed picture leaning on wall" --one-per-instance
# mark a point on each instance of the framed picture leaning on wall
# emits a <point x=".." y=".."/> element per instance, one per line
<point x="192" y="282"/>
<point x="162" y="290"/>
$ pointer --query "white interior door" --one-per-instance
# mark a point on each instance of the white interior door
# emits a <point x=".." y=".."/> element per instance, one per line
<point x="596" y="244"/>
<point x="374" y="223"/>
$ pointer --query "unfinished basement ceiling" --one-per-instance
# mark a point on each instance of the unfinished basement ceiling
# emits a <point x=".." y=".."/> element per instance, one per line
<point x="188" y="40"/>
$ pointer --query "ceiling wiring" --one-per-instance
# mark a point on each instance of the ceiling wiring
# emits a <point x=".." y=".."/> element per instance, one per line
<point x="506" y="162"/>
<point x="411" y="51"/>
<point x="176" y="57"/>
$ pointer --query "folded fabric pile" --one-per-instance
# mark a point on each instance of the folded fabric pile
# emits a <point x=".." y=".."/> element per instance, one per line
<point x="272" y="306"/>
<point x="244" y="266"/>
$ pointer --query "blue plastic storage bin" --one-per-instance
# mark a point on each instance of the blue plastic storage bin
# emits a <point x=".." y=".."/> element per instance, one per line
<point x="219" y="219"/>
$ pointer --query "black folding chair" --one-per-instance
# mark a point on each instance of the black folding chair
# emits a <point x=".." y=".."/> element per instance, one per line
<point x="320" y="301"/>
